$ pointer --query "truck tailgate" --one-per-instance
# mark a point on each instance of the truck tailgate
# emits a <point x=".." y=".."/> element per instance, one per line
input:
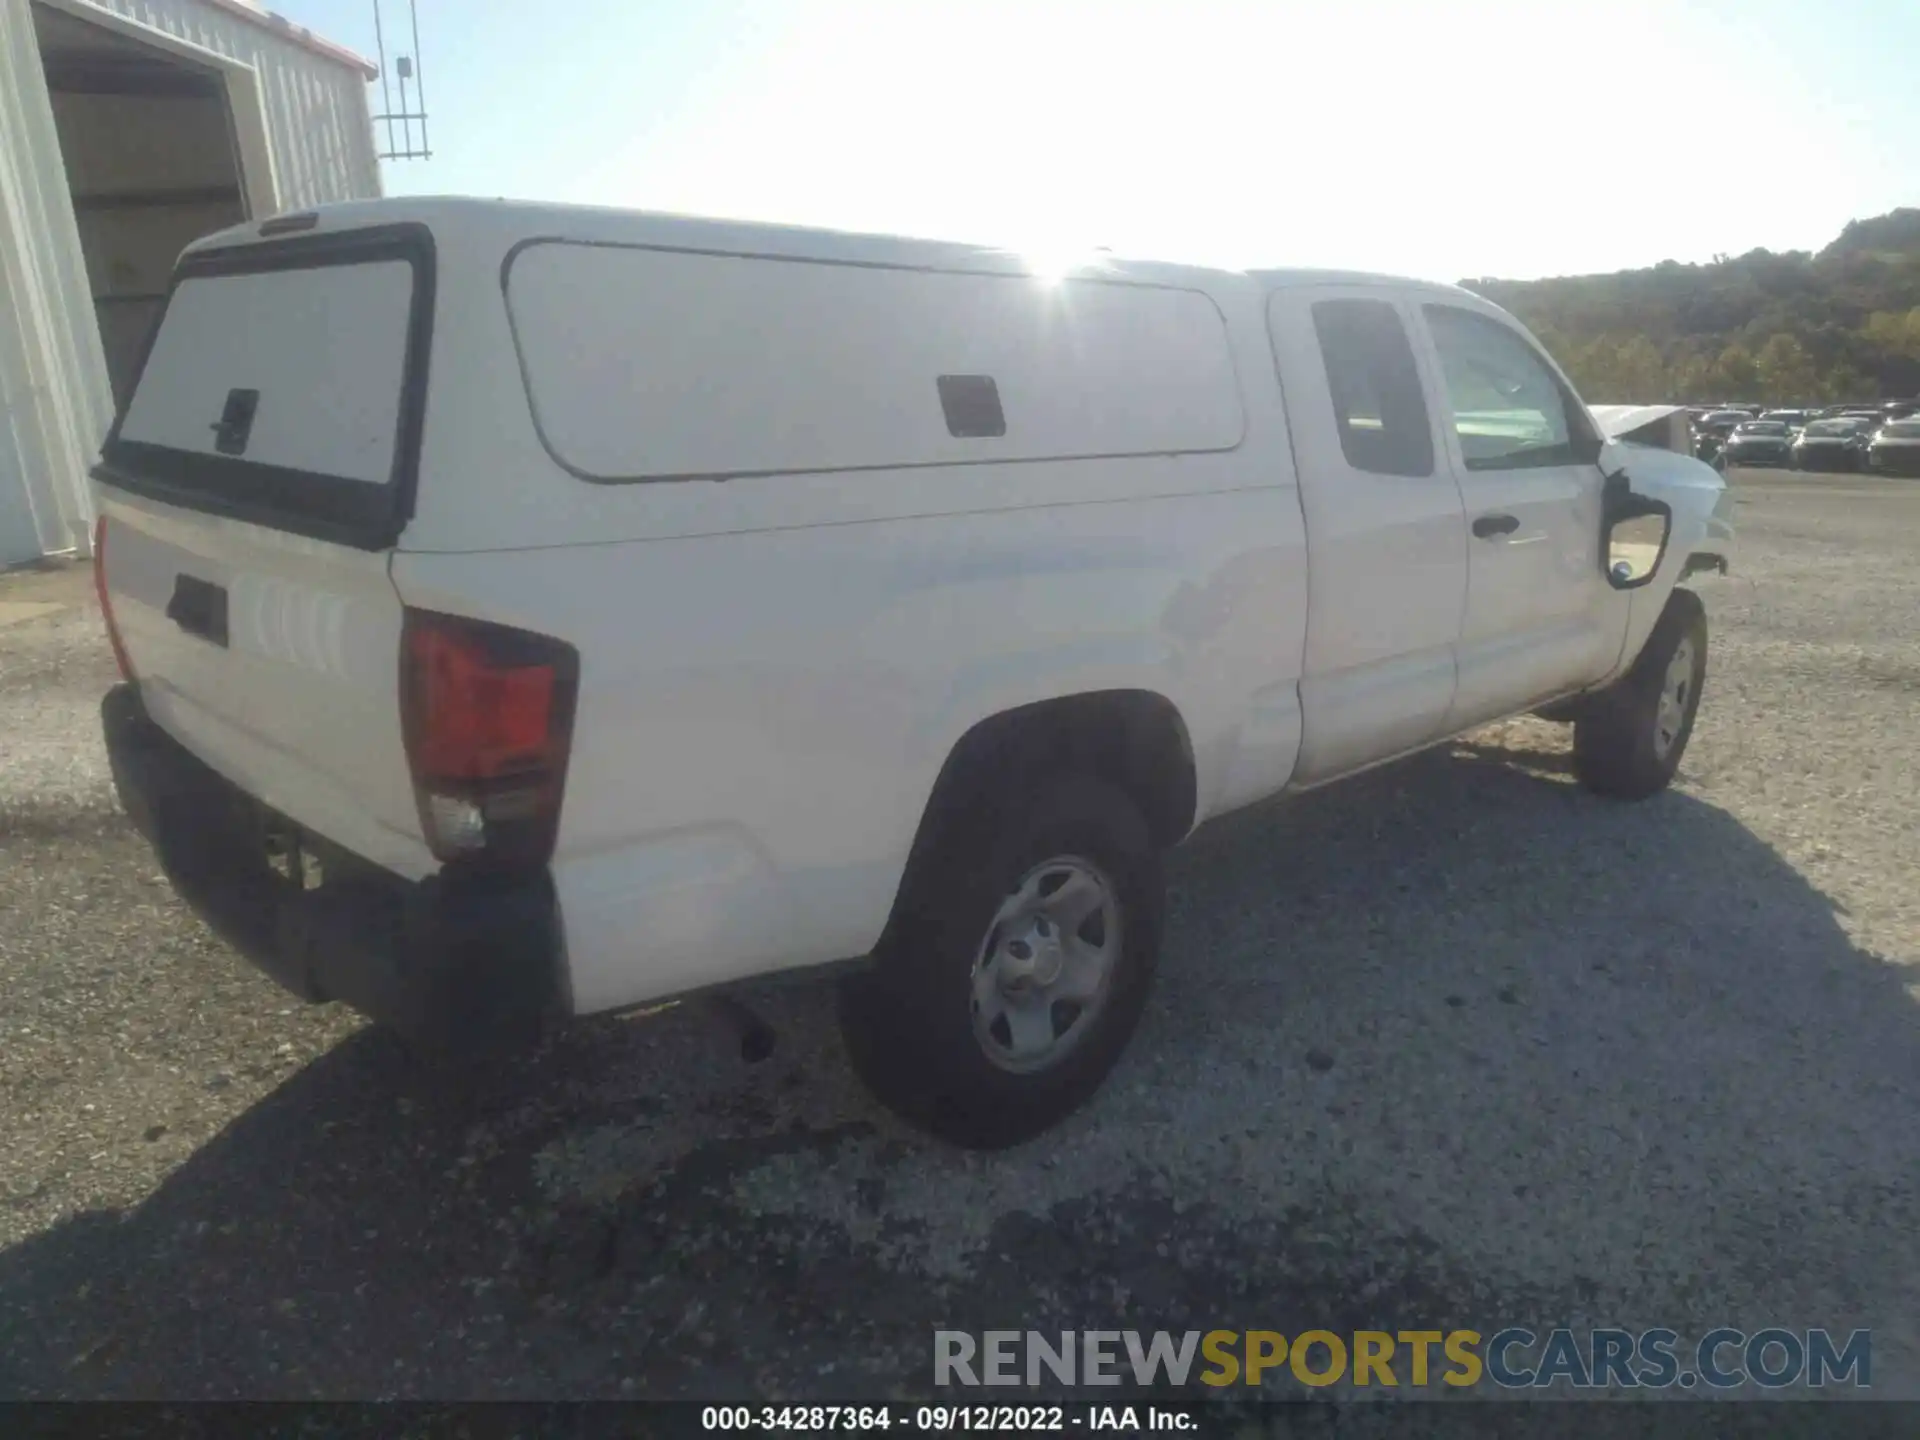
<point x="275" y="659"/>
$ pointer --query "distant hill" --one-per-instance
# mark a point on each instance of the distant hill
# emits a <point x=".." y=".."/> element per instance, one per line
<point x="1894" y="234"/>
<point x="1775" y="329"/>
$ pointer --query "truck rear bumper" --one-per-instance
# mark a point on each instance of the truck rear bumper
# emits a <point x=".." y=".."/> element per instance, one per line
<point x="455" y="963"/>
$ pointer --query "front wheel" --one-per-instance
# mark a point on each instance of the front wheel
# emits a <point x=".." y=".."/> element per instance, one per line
<point x="1016" y="967"/>
<point x="1629" y="742"/>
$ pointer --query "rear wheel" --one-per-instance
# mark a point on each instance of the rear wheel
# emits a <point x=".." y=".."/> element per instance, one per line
<point x="1629" y="740"/>
<point x="1016" y="967"/>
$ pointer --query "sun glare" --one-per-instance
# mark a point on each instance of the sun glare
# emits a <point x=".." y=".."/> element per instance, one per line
<point x="1054" y="261"/>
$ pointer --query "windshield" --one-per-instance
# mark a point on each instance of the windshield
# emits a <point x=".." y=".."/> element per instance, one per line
<point x="1901" y="430"/>
<point x="1830" y="428"/>
<point x="1761" y="427"/>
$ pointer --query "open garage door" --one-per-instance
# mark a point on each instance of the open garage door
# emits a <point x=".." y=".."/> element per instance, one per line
<point x="148" y="143"/>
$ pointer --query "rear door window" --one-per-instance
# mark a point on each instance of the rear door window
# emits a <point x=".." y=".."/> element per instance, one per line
<point x="1378" y="406"/>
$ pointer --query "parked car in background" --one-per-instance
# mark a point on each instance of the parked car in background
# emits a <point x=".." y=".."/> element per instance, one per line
<point x="1838" y="444"/>
<point x="1900" y="409"/>
<point x="1759" y="442"/>
<point x="1711" y="431"/>
<point x="1895" y="449"/>
<point x="1794" y="420"/>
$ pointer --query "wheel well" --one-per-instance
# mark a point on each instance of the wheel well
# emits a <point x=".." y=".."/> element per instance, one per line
<point x="1133" y="739"/>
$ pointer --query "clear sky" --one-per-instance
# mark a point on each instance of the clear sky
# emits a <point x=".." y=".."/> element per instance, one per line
<point x="1448" y="139"/>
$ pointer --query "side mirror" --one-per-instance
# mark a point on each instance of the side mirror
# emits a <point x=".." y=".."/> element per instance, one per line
<point x="1636" y="540"/>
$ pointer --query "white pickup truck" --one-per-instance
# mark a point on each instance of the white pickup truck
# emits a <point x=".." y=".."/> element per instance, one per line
<point x="528" y="612"/>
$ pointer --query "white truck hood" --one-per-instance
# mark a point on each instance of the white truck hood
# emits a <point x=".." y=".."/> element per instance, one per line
<point x="1617" y="420"/>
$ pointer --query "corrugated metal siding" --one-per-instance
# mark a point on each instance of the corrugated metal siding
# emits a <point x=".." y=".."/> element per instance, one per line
<point x="317" y="123"/>
<point x="54" y="397"/>
<point x="53" y="376"/>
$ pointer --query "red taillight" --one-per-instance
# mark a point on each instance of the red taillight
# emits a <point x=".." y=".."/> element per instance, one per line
<point x="487" y="712"/>
<point x="106" y="599"/>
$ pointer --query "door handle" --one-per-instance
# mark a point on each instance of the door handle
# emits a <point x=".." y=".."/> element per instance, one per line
<point x="1487" y="527"/>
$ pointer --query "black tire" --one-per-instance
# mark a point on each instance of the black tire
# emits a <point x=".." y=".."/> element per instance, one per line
<point x="1616" y="750"/>
<point x="908" y="1022"/>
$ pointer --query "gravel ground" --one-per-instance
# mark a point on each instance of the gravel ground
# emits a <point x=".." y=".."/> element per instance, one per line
<point x="1454" y="1044"/>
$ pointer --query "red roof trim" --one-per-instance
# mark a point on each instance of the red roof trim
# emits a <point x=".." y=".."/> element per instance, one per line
<point x="299" y="35"/>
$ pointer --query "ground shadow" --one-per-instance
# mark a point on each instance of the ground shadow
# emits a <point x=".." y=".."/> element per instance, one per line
<point x="1427" y="1006"/>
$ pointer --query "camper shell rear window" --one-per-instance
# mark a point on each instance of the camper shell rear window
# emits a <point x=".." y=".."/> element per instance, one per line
<point x="285" y="385"/>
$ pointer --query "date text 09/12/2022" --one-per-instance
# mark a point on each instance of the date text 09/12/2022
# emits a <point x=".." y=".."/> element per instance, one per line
<point x="946" y="1419"/>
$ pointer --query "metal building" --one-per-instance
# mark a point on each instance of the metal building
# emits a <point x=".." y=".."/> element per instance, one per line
<point x="127" y="129"/>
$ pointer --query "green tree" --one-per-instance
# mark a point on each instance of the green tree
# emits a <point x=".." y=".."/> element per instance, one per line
<point x="1592" y="367"/>
<point x="1694" y="377"/>
<point x="1738" y="375"/>
<point x="1641" y="373"/>
<point x="1894" y="332"/>
<point x="1595" y="368"/>
<point x="1846" y="383"/>
<point x="1553" y="342"/>
<point x="1786" y="371"/>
